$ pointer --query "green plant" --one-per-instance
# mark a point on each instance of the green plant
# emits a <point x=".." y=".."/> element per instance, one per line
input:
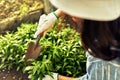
<point x="13" y="46"/>
<point x="62" y="53"/>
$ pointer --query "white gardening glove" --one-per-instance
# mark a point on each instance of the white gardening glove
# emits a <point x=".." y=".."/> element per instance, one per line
<point x="45" y="23"/>
<point x="53" y="77"/>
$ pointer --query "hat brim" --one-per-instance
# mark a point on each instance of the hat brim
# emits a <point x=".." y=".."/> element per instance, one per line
<point x="100" y="10"/>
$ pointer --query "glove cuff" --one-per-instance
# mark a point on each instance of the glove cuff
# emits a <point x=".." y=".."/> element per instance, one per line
<point x="55" y="15"/>
<point x="52" y="16"/>
<point x="54" y="76"/>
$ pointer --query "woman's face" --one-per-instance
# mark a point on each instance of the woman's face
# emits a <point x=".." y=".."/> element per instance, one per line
<point x="76" y="19"/>
<point x="79" y="23"/>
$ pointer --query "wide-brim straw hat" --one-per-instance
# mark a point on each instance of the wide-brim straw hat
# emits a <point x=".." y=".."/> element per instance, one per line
<point x="100" y="10"/>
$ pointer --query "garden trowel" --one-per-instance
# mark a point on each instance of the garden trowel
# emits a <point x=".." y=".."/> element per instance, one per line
<point x="33" y="50"/>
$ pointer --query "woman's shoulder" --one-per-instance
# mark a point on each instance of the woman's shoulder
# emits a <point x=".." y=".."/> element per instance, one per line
<point x="91" y="59"/>
<point x="115" y="62"/>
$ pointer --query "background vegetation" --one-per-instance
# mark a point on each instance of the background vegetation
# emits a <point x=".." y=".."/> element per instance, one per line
<point x="12" y="8"/>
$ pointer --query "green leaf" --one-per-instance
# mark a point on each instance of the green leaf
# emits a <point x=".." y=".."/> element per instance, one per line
<point x="28" y="68"/>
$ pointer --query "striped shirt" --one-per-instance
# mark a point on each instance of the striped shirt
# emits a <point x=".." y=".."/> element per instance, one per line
<point x="98" y="69"/>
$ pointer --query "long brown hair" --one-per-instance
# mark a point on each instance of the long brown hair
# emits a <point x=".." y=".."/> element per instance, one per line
<point x="102" y="38"/>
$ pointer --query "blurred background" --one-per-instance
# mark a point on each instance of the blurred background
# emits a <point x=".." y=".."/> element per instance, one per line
<point x="15" y="12"/>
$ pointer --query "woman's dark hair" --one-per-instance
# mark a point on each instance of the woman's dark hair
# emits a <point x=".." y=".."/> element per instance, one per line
<point x="102" y="38"/>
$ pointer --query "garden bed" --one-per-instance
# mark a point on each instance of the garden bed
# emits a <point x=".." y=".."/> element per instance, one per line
<point x="62" y="52"/>
<point x="15" y="12"/>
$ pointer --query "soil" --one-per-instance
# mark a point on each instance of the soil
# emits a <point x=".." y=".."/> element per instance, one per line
<point x="15" y="12"/>
<point x="10" y="8"/>
<point x="12" y="75"/>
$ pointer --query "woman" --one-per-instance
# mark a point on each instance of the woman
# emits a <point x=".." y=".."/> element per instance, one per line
<point x="100" y="35"/>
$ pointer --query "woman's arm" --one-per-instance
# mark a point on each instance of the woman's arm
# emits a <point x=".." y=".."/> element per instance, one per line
<point x="60" y="77"/>
<point x="59" y="13"/>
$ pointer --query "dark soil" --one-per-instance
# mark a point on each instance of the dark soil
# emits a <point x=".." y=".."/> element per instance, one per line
<point x="12" y="75"/>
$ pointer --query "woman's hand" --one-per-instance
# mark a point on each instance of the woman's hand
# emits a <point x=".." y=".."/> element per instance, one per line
<point x="45" y="23"/>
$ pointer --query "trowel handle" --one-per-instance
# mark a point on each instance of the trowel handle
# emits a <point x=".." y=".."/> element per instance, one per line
<point x="38" y="39"/>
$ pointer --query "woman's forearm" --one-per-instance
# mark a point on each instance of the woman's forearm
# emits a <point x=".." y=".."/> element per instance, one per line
<point x="60" y="77"/>
<point x="59" y="13"/>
